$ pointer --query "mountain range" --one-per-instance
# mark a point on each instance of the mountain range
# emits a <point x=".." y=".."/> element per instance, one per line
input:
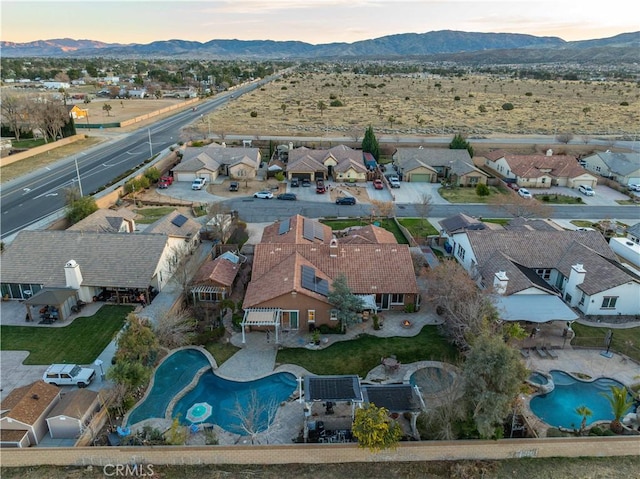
<point x="438" y="45"/>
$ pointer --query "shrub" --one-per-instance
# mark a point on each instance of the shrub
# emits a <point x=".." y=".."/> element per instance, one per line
<point x="624" y="103"/>
<point x="283" y="88"/>
<point x="528" y="94"/>
<point x="507" y="106"/>
<point x="326" y="329"/>
<point x="456" y="98"/>
<point x="279" y="176"/>
<point x="153" y="174"/>
<point x="253" y="114"/>
<point x="482" y="189"/>
<point x="332" y="96"/>
<point x="336" y="103"/>
<point x="482" y="109"/>
<point x="545" y="198"/>
<point x="376" y="322"/>
<point x="406" y="98"/>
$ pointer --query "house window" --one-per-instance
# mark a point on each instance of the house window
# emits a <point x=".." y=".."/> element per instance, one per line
<point x="397" y="298"/>
<point x="544" y="180"/>
<point x="581" y="303"/>
<point x="544" y="273"/>
<point x="609" y="302"/>
<point x="334" y="315"/>
<point x="460" y="253"/>
<point x="311" y="316"/>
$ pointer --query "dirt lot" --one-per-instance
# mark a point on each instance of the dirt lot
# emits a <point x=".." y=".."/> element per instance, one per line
<point x="556" y="468"/>
<point x="123" y="109"/>
<point x="428" y="105"/>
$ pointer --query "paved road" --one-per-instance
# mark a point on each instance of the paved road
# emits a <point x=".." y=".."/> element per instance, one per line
<point x="35" y="196"/>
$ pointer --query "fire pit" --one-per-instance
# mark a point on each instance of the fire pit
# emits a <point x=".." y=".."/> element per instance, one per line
<point x="406" y="323"/>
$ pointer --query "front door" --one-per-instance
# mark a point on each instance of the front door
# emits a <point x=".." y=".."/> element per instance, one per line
<point x="382" y="301"/>
<point x="290" y="320"/>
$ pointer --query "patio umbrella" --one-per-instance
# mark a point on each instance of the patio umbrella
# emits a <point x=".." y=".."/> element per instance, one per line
<point x="199" y="412"/>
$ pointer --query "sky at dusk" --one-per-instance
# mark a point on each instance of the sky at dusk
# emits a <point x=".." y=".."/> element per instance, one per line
<point x="311" y="21"/>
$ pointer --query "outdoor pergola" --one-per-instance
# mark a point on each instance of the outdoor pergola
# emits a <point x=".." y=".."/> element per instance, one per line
<point x="62" y="299"/>
<point x="261" y="317"/>
<point x="217" y="292"/>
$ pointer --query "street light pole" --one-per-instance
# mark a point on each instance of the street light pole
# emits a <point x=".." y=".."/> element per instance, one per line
<point x="78" y="173"/>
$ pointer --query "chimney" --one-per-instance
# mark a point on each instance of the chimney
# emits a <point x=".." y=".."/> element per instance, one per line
<point x="549" y="152"/>
<point x="224" y="145"/>
<point x="333" y="248"/>
<point x="290" y="145"/>
<point x="500" y="282"/>
<point x="72" y="274"/>
<point x="576" y="278"/>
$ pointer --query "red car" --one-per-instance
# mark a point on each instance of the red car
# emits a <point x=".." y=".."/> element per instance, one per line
<point x="378" y="185"/>
<point x="165" y="182"/>
<point x="320" y="188"/>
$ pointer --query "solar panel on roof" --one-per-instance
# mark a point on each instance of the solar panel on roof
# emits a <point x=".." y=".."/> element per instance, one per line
<point x="322" y="287"/>
<point x="284" y="226"/>
<point x="307" y="230"/>
<point x="179" y="220"/>
<point x="311" y="282"/>
<point x="318" y="232"/>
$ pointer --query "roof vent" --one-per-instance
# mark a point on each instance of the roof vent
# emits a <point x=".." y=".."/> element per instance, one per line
<point x="35" y="396"/>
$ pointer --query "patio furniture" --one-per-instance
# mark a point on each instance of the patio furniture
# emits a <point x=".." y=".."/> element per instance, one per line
<point x="552" y="354"/>
<point x="524" y="353"/>
<point x="541" y="352"/>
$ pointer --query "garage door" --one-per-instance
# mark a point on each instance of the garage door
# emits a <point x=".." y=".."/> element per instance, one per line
<point x="184" y="176"/>
<point x="302" y="176"/>
<point x="421" y="178"/>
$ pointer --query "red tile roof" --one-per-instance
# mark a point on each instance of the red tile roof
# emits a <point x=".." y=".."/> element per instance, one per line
<point x="220" y="271"/>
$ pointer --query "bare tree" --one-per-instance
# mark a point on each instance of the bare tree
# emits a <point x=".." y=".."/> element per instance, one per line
<point x="564" y="137"/>
<point x="423" y="208"/>
<point x="586" y="139"/>
<point x="221" y="222"/>
<point x="517" y="206"/>
<point x="256" y="416"/>
<point x="467" y="310"/>
<point x="14" y="109"/>
<point x="48" y="116"/>
<point x="174" y="330"/>
<point x="382" y="209"/>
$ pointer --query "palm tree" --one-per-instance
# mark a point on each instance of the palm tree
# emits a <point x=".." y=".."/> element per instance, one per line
<point x="585" y="412"/>
<point x="620" y="403"/>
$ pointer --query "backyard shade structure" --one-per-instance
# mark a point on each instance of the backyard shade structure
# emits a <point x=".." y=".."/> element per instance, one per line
<point x="332" y="388"/>
<point x="536" y="308"/>
<point x="60" y="298"/>
<point x="261" y="317"/>
<point x="397" y="398"/>
<point x="199" y="412"/>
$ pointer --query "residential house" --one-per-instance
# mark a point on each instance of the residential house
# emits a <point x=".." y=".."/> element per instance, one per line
<point x="23" y="414"/>
<point x="341" y="163"/>
<point x="540" y="171"/>
<point x="431" y="165"/>
<point x="89" y="263"/>
<point x="76" y="112"/>
<point x="533" y="270"/>
<point x="214" y="160"/>
<point x="214" y="280"/>
<point x="628" y="248"/>
<point x="633" y="233"/>
<point x="141" y="93"/>
<point x="183" y="233"/>
<point x="621" y="167"/>
<point x="291" y="279"/>
<point x="70" y="417"/>
<point x="107" y="221"/>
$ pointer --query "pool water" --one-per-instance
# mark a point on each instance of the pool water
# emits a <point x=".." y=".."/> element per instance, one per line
<point x="432" y="379"/>
<point x="557" y="408"/>
<point x="538" y="378"/>
<point x="257" y="400"/>
<point x="171" y="377"/>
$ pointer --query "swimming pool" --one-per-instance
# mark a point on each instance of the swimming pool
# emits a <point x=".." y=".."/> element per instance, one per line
<point x="557" y="408"/>
<point x="257" y="399"/>
<point x="171" y="377"/>
<point x="538" y="378"/>
<point x="432" y="379"/>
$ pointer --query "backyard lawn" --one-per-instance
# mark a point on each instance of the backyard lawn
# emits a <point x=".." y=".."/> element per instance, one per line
<point x="463" y="194"/>
<point x="361" y="355"/>
<point x="418" y="227"/>
<point x="625" y="341"/>
<point x="386" y="223"/>
<point x="221" y="352"/>
<point x="151" y="215"/>
<point x="559" y="199"/>
<point x="79" y="343"/>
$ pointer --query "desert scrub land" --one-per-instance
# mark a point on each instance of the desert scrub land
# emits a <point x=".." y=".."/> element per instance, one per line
<point x="428" y="105"/>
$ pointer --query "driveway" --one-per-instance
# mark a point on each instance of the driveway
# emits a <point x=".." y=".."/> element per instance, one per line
<point x="412" y="193"/>
<point x="604" y="196"/>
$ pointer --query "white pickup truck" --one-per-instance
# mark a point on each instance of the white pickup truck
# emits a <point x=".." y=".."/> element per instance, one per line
<point x="198" y="183"/>
<point x="68" y="375"/>
<point x="394" y="181"/>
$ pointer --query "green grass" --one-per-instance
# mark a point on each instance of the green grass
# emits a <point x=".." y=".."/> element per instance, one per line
<point x="559" y="199"/>
<point x="361" y="355"/>
<point x="582" y="223"/>
<point x="81" y="342"/>
<point x="221" y="352"/>
<point x="151" y="215"/>
<point x="497" y="221"/>
<point x="30" y="143"/>
<point x="465" y="194"/>
<point x="386" y="223"/>
<point x="625" y="341"/>
<point x="417" y="227"/>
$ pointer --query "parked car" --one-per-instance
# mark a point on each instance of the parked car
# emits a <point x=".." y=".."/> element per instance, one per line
<point x="234" y="186"/>
<point x="165" y="181"/>
<point x="68" y="375"/>
<point x="346" y="200"/>
<point x="198" y="183"/>
<point x="378" y="185"/>
<point x="513" y="186"/>
<point x="265" y="195"/>
<point x="306" y="182"/>
<point x="394" y="181"/>
<point x="287" y="196"/>
<point x="586" y="190"/>
<point x="524" y="193"/>
<point x="633" y="187"/>
<point x="320" y="188"/>
<point x="294" y="183"/>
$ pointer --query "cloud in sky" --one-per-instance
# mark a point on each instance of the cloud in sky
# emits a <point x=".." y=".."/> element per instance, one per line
<point x="312" y="21"/>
